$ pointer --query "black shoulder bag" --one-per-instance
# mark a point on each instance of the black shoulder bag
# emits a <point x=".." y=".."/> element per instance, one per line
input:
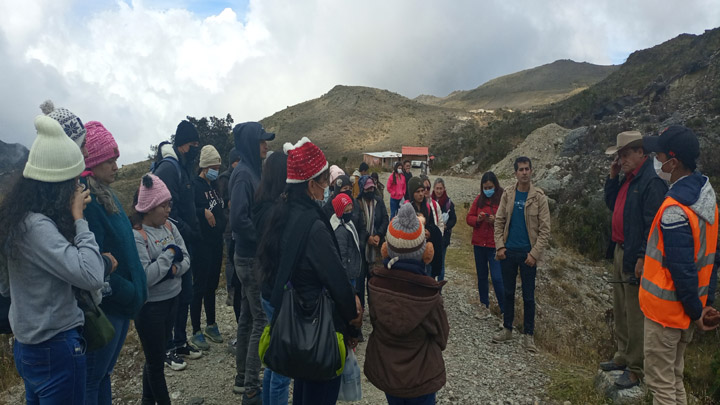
<point x="301" y="341"/>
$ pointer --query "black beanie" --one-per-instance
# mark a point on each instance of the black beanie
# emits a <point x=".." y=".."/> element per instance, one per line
<point x="233" y="156"/>
<point x="186" y="133"/>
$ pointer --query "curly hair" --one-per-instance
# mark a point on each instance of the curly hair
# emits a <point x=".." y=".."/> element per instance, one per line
<point x="27" y="195"/>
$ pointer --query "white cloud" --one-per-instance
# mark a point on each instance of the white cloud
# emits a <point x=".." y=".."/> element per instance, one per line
<point x="141" y="67"/>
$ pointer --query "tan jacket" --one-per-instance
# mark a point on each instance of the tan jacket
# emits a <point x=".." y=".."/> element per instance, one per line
<point x="537" y="219"/>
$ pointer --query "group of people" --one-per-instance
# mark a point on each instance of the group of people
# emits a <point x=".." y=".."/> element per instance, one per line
<point x="665" y="241"/>
<point x="287" y="220"/>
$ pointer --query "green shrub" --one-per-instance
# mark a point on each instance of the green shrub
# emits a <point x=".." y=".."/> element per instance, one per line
<point x="584" y="226"/>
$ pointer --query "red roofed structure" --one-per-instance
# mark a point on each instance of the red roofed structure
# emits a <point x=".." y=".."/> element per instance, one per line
<point x="415" y="151"/>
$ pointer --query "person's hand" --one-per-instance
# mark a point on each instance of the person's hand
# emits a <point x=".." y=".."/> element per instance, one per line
<point x="113" y="262"/>
<point x="615" y="167"/>
<point x="481" y="216"/>
<point x="172" y="249"/>
<point x="530" y="260"/>
<point x="174" y="270"/>
<point x="357" y="322"/>
<point x="210" y="218"/>
<point x="639" y="268"/>
<point x="352" y="342"/>
<point x="376" y="240"/>
<point x="500" y="254"/>
<point x="491" y="219"/>
<point x="700" y="324"/>
<point x="427" y="234"/>
<point x="80" y="200"/>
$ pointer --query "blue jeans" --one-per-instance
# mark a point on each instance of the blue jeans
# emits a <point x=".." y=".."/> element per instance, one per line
<point x="276" y="387"/>
<point x="316" y="392"/>
<point x="484" y="259"/>
<point x="443" y="252"/>
<point x="100" y="364"/>
<point x="428" y="399"/>
<point x="516" y="260"/>
<point x="54" y="371"/>
<point x="394" y="207"/>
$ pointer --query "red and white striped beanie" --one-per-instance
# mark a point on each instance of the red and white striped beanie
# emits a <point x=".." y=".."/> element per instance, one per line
<point x="305" y="161"/>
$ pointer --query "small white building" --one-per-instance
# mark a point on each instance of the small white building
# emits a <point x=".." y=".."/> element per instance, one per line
<point x="382" y="159"/>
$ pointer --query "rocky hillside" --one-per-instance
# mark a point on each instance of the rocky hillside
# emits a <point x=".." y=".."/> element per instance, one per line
<point x="528" y="88"/>
<point x="350" y="120"/>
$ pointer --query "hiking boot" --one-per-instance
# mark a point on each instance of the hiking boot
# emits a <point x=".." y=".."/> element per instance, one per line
<point x="504" y="336"/>
<point x="253" y="397"/>
<point x="239" y="386"/>
<point x="174" y="362"/>
<point x="611" y="366"/>
<point x="198" y="341"/>
<point x="188" y="351"/>
<point x="529" y="344"/>
<point x="213" y="333"/>
<point x="628" y="379"/>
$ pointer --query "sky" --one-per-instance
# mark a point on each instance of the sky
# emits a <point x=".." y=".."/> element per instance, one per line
<point x="141" y="66"/>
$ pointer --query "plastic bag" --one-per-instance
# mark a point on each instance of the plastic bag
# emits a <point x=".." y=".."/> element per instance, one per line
<point x="351" y="385"/>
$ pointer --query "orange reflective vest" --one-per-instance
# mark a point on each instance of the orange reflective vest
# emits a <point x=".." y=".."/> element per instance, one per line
<point x="658" y="298"/>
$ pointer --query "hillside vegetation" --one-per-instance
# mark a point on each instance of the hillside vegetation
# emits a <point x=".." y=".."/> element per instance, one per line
<point x="350" y="120"/>
<point x="531" y="88"/>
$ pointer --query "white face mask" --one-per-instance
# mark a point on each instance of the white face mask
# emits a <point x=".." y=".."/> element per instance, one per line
<point x="658" y="169"/>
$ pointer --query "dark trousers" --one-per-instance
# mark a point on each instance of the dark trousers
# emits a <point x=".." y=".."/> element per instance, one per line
<point x="485" y="264"/>
<point x="178" y="336"/>
<point x="233" y="282"/>
<point x="316" y="392"/>
<point x="361" y="281"/>
<point x="206" y="276"/>
<point x="428" y="399"/>
<point x="154" y="325"/>
<point x="513" y="262"/>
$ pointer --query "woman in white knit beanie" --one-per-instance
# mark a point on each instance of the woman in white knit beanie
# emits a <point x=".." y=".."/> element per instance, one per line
<point x="48" y="251"/>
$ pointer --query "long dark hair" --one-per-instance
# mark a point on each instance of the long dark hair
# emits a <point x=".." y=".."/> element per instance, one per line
<point x="272" y="181"/>
<point x="27" y="195"/>
<point x="495" y="199"/>
<point x="270" y="247"/>
<point x="395" y="173"/>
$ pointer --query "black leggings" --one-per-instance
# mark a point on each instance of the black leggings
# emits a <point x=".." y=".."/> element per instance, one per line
<point x="154" y="326"/>
<point x="206" y="266"/>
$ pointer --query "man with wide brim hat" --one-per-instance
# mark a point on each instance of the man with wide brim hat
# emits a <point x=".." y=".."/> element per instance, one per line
<point x="633" y="198"/>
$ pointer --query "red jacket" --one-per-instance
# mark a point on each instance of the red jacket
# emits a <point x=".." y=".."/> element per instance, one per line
<point x="483" y="231"/>
<point x="396" y="189"/>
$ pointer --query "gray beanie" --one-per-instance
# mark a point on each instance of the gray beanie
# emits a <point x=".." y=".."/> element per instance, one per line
<point x="406" y="235"/>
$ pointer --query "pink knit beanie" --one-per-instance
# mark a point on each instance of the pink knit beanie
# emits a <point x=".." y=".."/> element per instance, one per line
<point x="153" y="192"/>
<point x="100" y="144"/>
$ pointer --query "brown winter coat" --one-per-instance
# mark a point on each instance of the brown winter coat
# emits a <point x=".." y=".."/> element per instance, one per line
<point x="537" y="219"/>
<point x="410" y="331"/>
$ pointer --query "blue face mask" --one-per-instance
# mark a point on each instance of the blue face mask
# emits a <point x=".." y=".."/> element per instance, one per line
<point x="212" y="174"/>
<point x="326" y="194"/>
<point x="489" y="193"/>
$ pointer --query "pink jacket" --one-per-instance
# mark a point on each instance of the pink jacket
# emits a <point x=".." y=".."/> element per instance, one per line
<point x="396" y="189"/>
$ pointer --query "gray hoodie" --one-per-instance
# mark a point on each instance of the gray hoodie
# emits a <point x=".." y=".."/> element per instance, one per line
<point x="157" y="260"/>
<point x="40" y="276"/>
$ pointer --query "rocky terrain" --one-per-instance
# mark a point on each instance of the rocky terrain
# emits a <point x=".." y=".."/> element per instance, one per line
<point x="531" y="88"/>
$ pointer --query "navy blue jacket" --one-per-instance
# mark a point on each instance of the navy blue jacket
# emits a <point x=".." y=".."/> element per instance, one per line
<point x="645" y="195"/>
<point x="693" y="191"/>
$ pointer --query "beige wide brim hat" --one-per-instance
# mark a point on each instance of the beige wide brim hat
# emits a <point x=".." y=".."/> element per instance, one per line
<point x="624" y="140"/>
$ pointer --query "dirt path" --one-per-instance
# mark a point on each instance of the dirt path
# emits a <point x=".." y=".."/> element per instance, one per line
<point x="477" y="370"/>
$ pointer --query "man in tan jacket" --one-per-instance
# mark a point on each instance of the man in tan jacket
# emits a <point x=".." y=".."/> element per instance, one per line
<point x="522" y="232"/>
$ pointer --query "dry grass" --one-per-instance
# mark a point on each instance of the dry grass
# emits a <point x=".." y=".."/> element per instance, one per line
<point x="8" y="374"/>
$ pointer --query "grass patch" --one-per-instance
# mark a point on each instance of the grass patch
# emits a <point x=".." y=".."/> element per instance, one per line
<point x="459" y="254"/>
<point x="575" y="384"/>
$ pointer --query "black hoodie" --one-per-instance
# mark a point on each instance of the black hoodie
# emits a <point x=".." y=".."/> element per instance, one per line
<point x="243" y="183"/>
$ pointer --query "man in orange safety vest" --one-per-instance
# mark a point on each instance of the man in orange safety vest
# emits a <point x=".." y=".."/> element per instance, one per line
<point x="679" y="275"/>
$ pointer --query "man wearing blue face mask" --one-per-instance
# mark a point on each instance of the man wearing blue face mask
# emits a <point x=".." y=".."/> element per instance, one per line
<point x="633" y="199"/>
<point x="209" y="207"/>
